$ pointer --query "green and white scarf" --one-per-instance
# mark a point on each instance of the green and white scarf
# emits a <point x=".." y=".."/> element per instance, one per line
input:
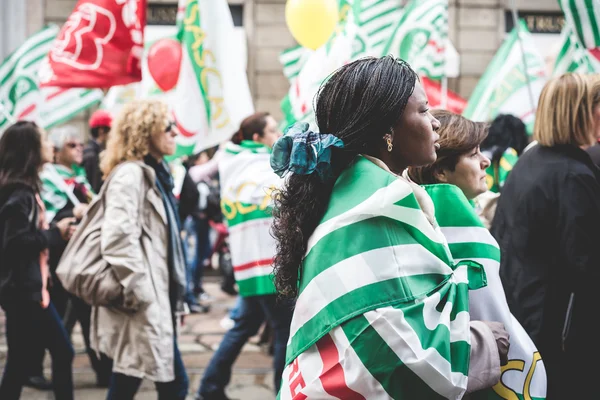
<point x="496" y="174"/>
<point x="58" y="183"/>
<point x="247" y="181"/>
<point x="524" y="377"/>
<point x="383" y="309"/>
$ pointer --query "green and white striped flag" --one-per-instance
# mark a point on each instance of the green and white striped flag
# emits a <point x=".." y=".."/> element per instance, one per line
<point x="524" y="377"/>
<point x="503" y="88"/>
<point x="364" y="29"/>
<point x="377" y="19"/>
<point x="573" y="57"/>
<point x="420" y="37"/>
<point x="583" y="16"/>
<point x="383" y="309"/>
<point x="293" y="60"/>
<point x="20" y="94"/>
<point x="212" y="96"/>
<point x="247" y="181"/>
<point x="58" y="184"/>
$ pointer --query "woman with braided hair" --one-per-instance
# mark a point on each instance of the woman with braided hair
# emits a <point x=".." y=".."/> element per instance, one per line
<point x="382" y="308"/>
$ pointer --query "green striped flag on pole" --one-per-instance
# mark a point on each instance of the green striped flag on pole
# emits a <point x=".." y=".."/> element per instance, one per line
<point x="20" y="94"/>
<point x="524" y="377"/>
<point x="583" y="16"/>
<point x="420" y="35"/>
<point x="573" y="57"/>
<point x="377" y="18"/>
<point x="503" y="88"/>
<point x="383" y="309"/>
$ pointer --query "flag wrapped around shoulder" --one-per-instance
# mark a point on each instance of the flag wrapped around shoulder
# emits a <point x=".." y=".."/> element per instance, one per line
<point x="524" y="377"/>
<point x="58" y="184"/>
<point x="247" y="181"/>
<point x="383" y="309"/>
<point x="99" y="46"/>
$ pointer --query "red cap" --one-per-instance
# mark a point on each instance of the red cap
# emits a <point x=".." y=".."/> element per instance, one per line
<point x="100" y="118"/>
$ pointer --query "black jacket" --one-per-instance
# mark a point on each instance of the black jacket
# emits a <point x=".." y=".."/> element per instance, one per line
<point x="188" y="198"/>
<point x="594" y="153"/>
<point x="547" y="224"/>
<point x="91" y="164"/>
<point x="21" y="243"/>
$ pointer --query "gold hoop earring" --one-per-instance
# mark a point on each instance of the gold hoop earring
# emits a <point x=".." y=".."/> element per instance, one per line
<point x="390" y="145"/>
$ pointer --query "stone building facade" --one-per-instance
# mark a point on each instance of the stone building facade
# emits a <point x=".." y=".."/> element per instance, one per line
<point x="477" y="28"/>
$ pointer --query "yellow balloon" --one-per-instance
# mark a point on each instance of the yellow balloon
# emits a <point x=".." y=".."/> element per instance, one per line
<point x="311" y="22"/>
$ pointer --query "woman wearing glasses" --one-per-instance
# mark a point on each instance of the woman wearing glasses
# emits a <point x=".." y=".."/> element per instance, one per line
<point x="67" y="193"/>
<point x="141" y="243"/>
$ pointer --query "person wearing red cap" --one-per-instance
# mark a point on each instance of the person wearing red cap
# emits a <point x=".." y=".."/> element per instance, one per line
<point x="100" y="123"/>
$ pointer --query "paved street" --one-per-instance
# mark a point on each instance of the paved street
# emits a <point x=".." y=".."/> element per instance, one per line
<point x="252" y="378"/>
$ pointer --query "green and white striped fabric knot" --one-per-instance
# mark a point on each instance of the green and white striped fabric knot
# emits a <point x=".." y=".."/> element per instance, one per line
<point x="524" y="376"/>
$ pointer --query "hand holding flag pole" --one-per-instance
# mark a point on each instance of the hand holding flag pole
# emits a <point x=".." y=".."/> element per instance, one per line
<point x="515" y="17"/>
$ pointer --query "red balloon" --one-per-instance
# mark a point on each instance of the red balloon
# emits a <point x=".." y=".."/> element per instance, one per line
<point x="164" y="63"/>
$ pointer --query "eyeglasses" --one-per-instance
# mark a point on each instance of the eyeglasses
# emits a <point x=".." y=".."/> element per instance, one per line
<point x="170" y="126"/>
<point x="74" y="145"/>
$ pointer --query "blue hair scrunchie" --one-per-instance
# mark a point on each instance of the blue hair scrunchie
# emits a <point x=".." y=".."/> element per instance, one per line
<point x="302" y="151"/>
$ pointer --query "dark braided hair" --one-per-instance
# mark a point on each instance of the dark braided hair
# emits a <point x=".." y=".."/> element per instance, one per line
<point x="359" y="103"/>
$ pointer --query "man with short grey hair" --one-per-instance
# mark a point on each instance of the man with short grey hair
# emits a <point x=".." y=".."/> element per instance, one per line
<point x="66" y="192"/>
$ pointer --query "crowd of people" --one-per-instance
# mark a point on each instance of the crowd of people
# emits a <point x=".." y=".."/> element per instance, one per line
<point x="394" y="252"/>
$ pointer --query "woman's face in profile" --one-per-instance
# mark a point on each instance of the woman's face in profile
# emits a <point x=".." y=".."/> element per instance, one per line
<point x="414" y="141"/>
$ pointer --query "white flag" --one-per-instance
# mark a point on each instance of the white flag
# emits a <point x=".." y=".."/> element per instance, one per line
<point x="212" y="96"/>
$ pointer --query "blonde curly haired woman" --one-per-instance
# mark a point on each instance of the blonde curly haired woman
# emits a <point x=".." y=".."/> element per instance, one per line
<point x="140" y="241"/>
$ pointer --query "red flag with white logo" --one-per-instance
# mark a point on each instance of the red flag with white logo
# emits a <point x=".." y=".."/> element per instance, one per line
<point x="99" y="46"/>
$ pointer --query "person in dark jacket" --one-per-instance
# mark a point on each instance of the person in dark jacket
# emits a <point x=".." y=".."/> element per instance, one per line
<point x="24" y="241"/>
<point x="67" y="193"/>
<point x="100" y="123"/>
<point x="547" y="226"/>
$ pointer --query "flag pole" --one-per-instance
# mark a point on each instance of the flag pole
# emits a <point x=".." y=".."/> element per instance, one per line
<point x="444" y="102"/>
<point x="6" y="114"/>
<point x="515" y="17"/>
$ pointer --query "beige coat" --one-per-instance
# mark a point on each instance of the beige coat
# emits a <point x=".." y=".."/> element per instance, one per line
<point x="139" y="337"/>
